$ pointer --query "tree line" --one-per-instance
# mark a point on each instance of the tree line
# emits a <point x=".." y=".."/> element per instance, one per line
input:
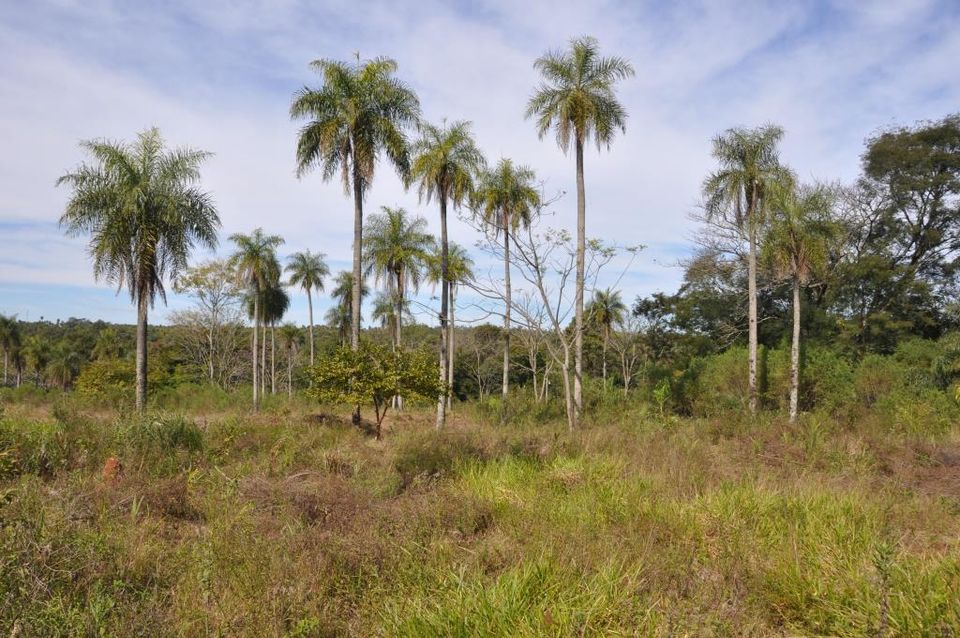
<point x="859" y="267"/>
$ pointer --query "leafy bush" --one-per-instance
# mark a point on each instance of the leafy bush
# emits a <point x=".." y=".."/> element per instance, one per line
<point x="722" y="385"/>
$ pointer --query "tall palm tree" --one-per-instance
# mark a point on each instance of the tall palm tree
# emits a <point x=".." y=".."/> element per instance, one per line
<point x="307" y="270"/>
<point x="9" y="341"/>
<point x="269" y="305"/>
<point x="460" y="271"/>
<point x="797" y="244"/>
<point x="576" y="99"/>
<point x="738" y="193"/>
<point x="360" y="112"/>
<point x="144" y="211"/>
<point x="255" y="262"/>
<point x="340" y="315"/>
<point x="446" y="165"/>
<point x="507" y="198"/>
<point x="395" y="254"/>
<point x="606" y="310"/>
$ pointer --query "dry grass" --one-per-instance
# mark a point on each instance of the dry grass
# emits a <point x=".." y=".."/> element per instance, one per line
<point x="286" y="524"/>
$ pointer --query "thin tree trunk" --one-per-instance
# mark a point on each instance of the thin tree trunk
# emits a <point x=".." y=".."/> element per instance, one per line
<point x="450" y="347"/>
<point x="355" y="301"/>
<point x="142" y="302"/>
<point x="568" y="395"/>
<point x="795" y="353"/>
<point x="310" y="309"/>
<point x="506" y="315"/>
<point x="263" y="360"/>
<point x="398" y="320"/>
<point x="578" y="301"/>
<point x="256" y="352"/>
<point x="273" y="358"/>
<point x="752" y="294"/>
<point x="606" y="341"/>
<point x="289" y="372"/>
<point x="444" y="303"/>
<point x="210" y="353"/>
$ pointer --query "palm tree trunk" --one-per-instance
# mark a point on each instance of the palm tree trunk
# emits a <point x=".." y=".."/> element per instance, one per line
<point x="578" y="300"/>
<point x="506" y="315"/>
<point x="357" y="258"/>
<point x="752" y="312"/>
<point x="310" y="308"/>
<point x="450" y="348"/>
<point x="263" y="359"/>
<point x="444" y="303"/>
<point x="273" y="358"/>
<point x="256" y="351"/>
<point x="289" y="372"/>
<point x="142" y="302"/>
<point x="606" y="341"/>
<point x="398" y="321"/>
<point x="795" y="353"/>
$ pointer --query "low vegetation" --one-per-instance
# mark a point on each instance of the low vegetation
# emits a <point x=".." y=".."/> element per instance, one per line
<point x="293" y="522"/>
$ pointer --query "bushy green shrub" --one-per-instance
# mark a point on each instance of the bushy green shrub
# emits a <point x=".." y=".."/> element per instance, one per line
<point x="722" y="384"/>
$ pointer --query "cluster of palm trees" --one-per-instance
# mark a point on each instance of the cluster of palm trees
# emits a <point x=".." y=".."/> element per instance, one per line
<point x="142" y="208"/>
<point x="363" y="112"/>
<point x="754" y="193"/>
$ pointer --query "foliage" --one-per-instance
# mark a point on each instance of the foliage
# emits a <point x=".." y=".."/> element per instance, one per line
<point x="374" y="374"/>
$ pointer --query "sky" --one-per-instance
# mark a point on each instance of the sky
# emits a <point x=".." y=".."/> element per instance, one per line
<point x="219" y="75"/>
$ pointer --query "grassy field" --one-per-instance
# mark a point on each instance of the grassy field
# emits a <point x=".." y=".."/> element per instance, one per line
<point x="293" y="523"/>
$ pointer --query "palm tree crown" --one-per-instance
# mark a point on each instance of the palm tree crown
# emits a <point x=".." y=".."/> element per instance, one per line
<point x="143" y="210"/>
<point x="576" y="95"/>
<point x="397" y="248"/>
<point x="446" y="162"/>
<point x="749" y="171"/>
<point x="607" y="309"/>
<point x="255" y="259"/>
<point x="507" y="196"/>
<point x="360" y="111"/>
<point x="797" y="241"/>
<point x="307" y="270"/>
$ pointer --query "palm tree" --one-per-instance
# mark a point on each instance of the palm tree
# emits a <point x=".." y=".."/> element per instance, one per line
<point x="576" y="98"/>
<point x="460" y="271"/>
<point x="108" y="345"/>
<point x="145" y="213"/>
<point x="275" y="304"/>
<point x="63" y="366"/>
<point x="797" y="244"/>
<point x="290" y="338"/>
<point x="340" y="316"/>
<point x="446" y="164"/>
<point x="396" y="253"/>
<point x="359" y="112"/>
<point x="384" y="312"/>
<point x="36" y="351"/>
<point x="507" y="198"/>
<point x="606" y="309"/>
<point x="9" y="341"/>
<point x="738" y="194"/>
<point x="307" y="270"/>
<point x="256" y="265"/>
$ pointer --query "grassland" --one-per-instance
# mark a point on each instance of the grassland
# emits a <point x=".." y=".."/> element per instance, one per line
<point x="290" y="523"/>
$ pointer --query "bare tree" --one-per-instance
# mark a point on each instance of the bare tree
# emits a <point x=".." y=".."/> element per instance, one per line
<point x="626" y="339"/>
<point x="211" y="334"/>
<point x="546" y="261"/>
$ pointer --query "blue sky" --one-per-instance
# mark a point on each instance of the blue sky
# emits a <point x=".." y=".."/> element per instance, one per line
<point x="219" y="75"/>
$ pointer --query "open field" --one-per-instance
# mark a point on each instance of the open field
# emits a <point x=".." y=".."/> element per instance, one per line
<point x="288" y="524"/>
